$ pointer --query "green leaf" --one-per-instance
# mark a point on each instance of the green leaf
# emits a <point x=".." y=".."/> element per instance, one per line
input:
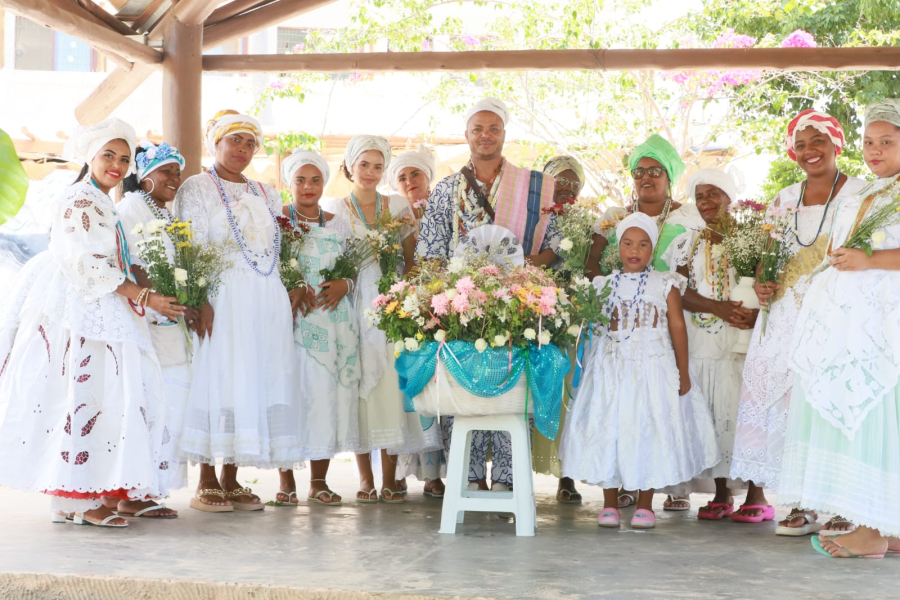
<point x="181" y="295"/>
<point x="867" y="248"/>
<point x="13" y="180"/>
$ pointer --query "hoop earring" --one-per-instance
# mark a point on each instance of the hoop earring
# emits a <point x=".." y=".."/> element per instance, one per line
<point x="152" y="184"/>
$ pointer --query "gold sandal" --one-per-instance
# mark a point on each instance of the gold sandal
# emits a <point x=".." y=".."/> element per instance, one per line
<point x="198" y="504"/>
<point x="244" y="491"/>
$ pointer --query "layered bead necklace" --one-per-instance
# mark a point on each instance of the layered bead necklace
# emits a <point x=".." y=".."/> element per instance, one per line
<point x="294" y="215"/>
<point x="716" y="277"/>
<point x="355" y="207"/>
<point x="463" y="204"/>
<point x="252" y="258"/>
<point x="615" y="300"/>
<point x="661" y="219"/>
<point x="824" y="212"/>
<point x="162" y="214"/>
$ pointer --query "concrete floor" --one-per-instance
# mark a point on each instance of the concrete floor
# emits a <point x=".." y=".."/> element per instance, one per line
<point x="395" y="549"/>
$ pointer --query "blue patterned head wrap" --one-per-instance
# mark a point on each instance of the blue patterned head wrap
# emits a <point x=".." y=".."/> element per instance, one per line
<point x="153" y="157"/>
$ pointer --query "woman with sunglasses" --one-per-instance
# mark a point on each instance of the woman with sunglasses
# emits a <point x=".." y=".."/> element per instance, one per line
<point x="656" y="167"/>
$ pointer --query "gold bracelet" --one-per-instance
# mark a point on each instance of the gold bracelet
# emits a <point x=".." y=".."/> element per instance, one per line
<point x="142" y="297"/>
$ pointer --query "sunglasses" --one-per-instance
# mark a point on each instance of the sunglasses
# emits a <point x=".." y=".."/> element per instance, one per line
<point x="572" y="185"/>
<point x="654" y="172"/>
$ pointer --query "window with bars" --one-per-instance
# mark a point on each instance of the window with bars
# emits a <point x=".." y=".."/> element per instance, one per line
<point x="289" y="38"/>
<point x="42" y="49"/>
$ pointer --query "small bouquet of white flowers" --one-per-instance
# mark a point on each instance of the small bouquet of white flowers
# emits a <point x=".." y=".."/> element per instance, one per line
<point x="576" y="224"/>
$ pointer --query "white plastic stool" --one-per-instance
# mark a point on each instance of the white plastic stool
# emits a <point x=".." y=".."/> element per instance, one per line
<point x="458" y="500"/>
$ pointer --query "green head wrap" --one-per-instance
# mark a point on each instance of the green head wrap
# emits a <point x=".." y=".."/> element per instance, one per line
<point x="658" y="148"/>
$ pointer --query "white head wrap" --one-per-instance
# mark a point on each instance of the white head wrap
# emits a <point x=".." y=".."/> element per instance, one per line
<point x="641" y="221"/>
<point x="88" y="141"/>
<point x="300" y="158"/>
<point x="494" y="105"/>
<point x="229" y="121"/>
<point x="422" y="159"/>
<point x="363" y="143"/>
<point x="887" y="110"/>
<point x="720" y="179"/>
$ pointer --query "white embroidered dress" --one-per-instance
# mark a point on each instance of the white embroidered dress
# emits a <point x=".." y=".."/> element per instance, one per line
<point x="167" y="337"/>
<point x="768" y="377"/>
<point x="244" y="400"/>
<point x="382" y="420"/>
<point x="627" y="424"/>
<point x="80" y="387"/>
<point x="327" y="345"/>
<point x="842" y="450"/>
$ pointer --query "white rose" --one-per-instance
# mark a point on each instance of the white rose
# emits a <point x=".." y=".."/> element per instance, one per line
<point x="180" y="275"/>
<point x="878" y="238"/>
<point x="566" y="244"/>
<point x="152" y="227"/>
<point x="529" y="334"/>
<point x="398" y="346"/>
<point x="440" y="335"/>
<point x="409" y="304"/>
<point x="500" y="340"/>
<point x="481" y="344"/>
<point x="412" y="344"/>
<point x="451" y="294"/>
<point x="138" y="229"/>
<point x="201" y="282"/>
<point x="545" y="337"/>
<point x="557" y="323"/>
<point x="573" y="330"/>
<point x="294" y="264"/>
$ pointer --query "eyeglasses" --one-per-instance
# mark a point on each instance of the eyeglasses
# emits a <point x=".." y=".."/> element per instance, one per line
<point x="654" y="172"/>
<point x="572" y="185"/>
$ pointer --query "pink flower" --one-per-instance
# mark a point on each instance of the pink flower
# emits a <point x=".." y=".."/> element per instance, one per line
<point x="460" y="304"/>
<point x="479" y="312"/>
<point x="276" y="85"/>
<point x="398" y="287"/>
<point x="381" y="300"/>
<point x="465" y="285"/>
<point x="299" y="47"/>
<point x="500" y="294"/>
<point x="730" y="39"/>
<point x="470" y="40"/>
<point x="478" y="296"/>
<point x="430" y="324"/>
<point x="757" y="206"/>
<point x="490" y="271"/>
<point x="440" y="304"/>
<point x="799" y="39"/>
<point x="426" y="45"/>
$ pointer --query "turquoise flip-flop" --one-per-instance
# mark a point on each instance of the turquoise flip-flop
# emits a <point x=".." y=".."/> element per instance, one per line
<point x="817" y="545"/>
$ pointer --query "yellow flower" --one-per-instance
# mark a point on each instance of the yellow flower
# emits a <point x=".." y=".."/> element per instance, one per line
<point x="419" y="336"/>
<point x="396" y="246"/>
<point x="391" y="307"/>
<point x="768" y="227"/>
<point x="402" y="314"/>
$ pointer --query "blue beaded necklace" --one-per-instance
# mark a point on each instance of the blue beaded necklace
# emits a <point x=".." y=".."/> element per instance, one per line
<point x="160" y="213"/>
<point x="614" y="297"/>
<point x="252" y="258"/>
<point x="362" y="216"/>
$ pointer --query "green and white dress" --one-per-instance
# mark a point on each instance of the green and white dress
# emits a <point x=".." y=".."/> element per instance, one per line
<point x="842" y="447"/>
<point x="327" y="344"/>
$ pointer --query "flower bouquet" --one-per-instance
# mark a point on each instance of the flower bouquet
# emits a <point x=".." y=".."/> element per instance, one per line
<point x="387" y="249"/>
<point x="486" y="325"/>
<point x="356" y="256"/>
<point x="576" y="224"/>
<point x="292" y="240"/>
<point x="195" y="273"/>
<point x="776" y="251"/>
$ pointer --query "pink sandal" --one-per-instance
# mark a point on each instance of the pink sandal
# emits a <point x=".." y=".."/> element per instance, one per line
<point x="768" y="513"/>
<point x="609" y="517"/>
<point x="711" y="516"/>
<point x="643" y="519"/>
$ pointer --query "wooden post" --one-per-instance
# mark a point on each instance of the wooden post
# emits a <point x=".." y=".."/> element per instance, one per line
<point x="182" y="85"/>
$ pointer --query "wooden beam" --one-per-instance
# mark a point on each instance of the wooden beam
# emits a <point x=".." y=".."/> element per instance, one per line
<point x="112" y="92"/>
<point x="182" y="87"/>
<point x="107" y="18"/>
<point x="232" y="9"/>
<point x="885" y="58"/>
<point x="194" y="12"/>
<point x="48" y="14"/>
<point x="247" y="23"/>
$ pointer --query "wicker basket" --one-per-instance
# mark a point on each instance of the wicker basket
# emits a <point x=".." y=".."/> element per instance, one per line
<point x="447" y="397"/>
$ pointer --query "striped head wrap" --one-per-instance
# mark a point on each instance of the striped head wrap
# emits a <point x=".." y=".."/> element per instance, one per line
<point x="227" y="122"/>
<point x="820" y="121"/>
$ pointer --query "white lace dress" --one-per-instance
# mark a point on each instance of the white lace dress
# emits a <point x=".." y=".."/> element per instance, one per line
<point x="168" y="342"/>
<point x="244" y="401"/>
<point x="627" y="424"/>
<point x="842" y="449"/>
<point x="768" y="378"/>
<point x="327" y="345"/>
<point x="717" y="369"/>
<point x="80" y="387"/>
<point x="382" y="420"/>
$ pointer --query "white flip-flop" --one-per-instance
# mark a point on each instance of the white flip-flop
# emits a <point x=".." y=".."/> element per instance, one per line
<point x="80" y="520"/>
<point x="812" y="526"/>
<point x="144" y="511"/>
<point x="673" y="499"/>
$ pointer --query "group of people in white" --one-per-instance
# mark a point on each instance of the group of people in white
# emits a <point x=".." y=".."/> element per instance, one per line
<point x="103" y="406"/>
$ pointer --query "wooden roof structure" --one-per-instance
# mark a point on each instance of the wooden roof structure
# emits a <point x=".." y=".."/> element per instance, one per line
<point x="171" y="35"/>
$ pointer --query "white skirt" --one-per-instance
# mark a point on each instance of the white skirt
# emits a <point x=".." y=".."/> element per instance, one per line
<point x="628" y="426"/>
<point x="243" y="407"/>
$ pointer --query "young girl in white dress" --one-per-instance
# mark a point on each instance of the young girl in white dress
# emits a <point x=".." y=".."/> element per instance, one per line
<point x="636" y="421"/>
<point x="842" y="447"/>
<point x="148" y="194"/>
<point x="713" y="323"/>
<point x="243" y="408"/>
<point x="814" y="139"/>
<point x="80" y="387"/>
<point x="326" y="334"/>
<point x="382" y="421"/>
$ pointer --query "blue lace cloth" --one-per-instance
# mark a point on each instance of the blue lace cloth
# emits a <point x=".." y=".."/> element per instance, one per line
<point x="488" y="375"/>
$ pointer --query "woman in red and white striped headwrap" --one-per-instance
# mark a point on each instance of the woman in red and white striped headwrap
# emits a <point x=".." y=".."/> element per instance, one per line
<point x="814" y="140"/>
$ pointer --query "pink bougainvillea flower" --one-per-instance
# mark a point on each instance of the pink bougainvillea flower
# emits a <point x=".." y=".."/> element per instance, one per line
<point x="799" y="39"/>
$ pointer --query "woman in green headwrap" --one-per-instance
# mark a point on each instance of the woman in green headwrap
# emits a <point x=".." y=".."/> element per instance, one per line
<point x="656" y="167"/>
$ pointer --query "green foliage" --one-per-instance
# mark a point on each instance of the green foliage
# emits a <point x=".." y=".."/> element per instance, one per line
<point x="286" y="143"/>
<point x="13" y="180"/>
